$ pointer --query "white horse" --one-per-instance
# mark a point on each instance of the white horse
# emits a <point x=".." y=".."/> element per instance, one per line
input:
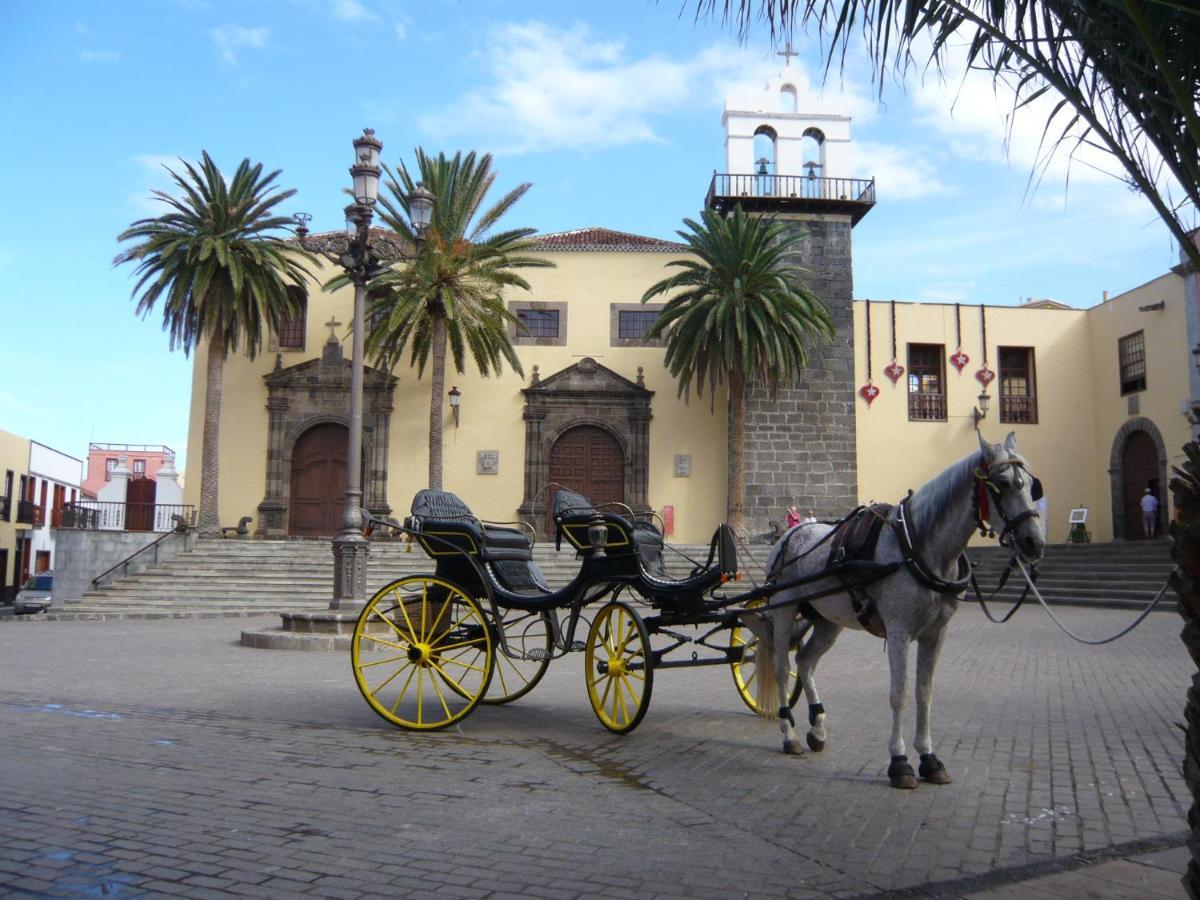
<point x="923" y="539"/>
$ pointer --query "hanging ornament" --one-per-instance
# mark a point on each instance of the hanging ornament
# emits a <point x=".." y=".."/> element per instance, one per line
<point x="893" y="370"/>
<point x="984" y="376"/>
<point x="868" y="391"/>
<point x="958" y="359"/>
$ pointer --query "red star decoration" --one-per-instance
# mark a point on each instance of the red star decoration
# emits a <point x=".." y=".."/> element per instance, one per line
<point x="894" y="371"/>
<point x="985" y="376"/>
<point x="869" y="392"/>
<point x="959" y="360"/>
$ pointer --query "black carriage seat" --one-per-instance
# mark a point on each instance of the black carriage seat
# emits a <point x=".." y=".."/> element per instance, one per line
<point x="574" y="513"/>
<point x="449" y="527"/>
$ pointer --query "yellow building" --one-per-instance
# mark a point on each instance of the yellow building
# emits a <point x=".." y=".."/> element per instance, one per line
<point x="14" y="467"/>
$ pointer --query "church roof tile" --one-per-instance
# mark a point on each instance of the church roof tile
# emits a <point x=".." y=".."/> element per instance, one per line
<point x="598" y="239"/>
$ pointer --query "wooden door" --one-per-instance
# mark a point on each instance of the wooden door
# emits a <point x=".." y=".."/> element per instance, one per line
<point x="139" y="504"/>
<point x="589" y="460"/>
<point x="318" y="498"/>
<point x="1139" y="470"/>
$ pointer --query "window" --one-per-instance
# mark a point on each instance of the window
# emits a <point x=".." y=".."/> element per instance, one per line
<point x="110" y="464"/>
<point x="139" y="467"/>
<point x="633" y="324"/>
<point x="539" y="324"/>
<point x="1131" y="353"/>
<point x="1018" y="388"/>
<point x="926" y="382"/>
<point x="291" y="327"/>
<point x="6" y="501"/>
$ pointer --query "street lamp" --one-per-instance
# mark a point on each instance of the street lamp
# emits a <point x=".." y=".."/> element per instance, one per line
<point x="455" y="399"/>
<point x="980" y="412"/>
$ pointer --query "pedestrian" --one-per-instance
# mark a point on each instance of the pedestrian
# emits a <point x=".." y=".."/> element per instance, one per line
<point x="811" y="517"/>
<point x="1150" y="514"/>
<point x="793" y="517"/>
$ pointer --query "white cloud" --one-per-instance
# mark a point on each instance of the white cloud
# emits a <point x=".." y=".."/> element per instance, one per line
<point x="154" y="176"/>
<point x="901" y="172"/>
<point x="352" y="11"/>
<point x="401" y="29"/>
<point x="554" y="88"/>
<point x="230" y="38"/>
<point x="99" y="56"/>
<point x="83" y="30"/>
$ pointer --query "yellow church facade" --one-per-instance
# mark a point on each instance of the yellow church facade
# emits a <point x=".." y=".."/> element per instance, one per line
<point x="1097" y="398"/>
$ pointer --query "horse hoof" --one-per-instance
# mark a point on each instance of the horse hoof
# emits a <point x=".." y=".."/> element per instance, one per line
<point x="933" y="770"/>
<point x="793" y="748"/>
<point x="901" y="775"/>
<point x="814" y="745"/>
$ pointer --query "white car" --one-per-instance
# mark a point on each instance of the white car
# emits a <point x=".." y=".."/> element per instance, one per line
<point x="35" y="596"/>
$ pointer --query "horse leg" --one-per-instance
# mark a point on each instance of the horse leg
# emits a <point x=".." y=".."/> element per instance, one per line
<point x="929" y="646"/>
<point x="900" y="773"/>
<point x="782" y="636"/>
<point x="823" y="635"/>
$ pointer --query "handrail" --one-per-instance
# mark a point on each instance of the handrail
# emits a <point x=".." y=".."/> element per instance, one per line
<point x="127" y="560"/>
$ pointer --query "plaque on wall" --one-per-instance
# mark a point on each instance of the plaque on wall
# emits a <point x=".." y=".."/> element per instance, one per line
<point x="487" y="462"/>
<point x="683" y="465"/>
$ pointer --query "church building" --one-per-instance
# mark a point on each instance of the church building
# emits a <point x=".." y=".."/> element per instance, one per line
<point x="1099" y="398"/>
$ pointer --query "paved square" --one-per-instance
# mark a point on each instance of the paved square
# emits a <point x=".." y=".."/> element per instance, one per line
<point x="147" y="757"/>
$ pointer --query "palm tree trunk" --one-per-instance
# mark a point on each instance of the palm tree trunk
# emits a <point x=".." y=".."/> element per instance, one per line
<point x="1185" y="535"/>
<point x="736" y="494"/>
<point x="437" y="392"/>
<point x="210" y="512"/>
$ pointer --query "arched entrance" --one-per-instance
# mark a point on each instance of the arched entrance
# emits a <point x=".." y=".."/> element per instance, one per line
<point x="1139" y="469"/>
<point x="318" y="495"/>
<point x="589" y="460"/>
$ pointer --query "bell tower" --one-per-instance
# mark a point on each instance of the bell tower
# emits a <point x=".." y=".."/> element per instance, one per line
<point x="795" y="166"/>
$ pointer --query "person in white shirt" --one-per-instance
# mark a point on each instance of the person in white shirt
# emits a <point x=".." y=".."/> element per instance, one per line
<point x="1150" y="514"/>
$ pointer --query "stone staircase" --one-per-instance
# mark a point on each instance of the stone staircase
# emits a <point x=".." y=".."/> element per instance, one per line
<point x="253" y="577"/>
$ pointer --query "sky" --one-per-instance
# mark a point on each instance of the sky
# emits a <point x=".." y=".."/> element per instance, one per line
<point x="610" y="108"/>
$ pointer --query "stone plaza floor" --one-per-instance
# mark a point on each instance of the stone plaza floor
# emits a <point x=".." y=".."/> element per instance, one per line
<point x="149" y="757"/>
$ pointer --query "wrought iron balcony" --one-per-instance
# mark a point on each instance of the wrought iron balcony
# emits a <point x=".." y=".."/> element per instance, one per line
<point x="27" y="512"/>
<point x="104" y="515"/>
<point x="5" y="509"/>
<point x="927" y="407"/>
<point x="784" y="193"/>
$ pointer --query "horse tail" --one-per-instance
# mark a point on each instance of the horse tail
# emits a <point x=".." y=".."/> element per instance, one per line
<point x="766" y="696"/>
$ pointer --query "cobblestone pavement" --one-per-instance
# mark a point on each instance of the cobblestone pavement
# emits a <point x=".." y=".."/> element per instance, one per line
<point x="155" y="757"/>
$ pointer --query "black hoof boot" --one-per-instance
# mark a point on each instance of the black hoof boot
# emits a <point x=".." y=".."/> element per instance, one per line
<point x="932" y="770"/>
<point x="816" y="746"/>
<point x="901" y="775"/>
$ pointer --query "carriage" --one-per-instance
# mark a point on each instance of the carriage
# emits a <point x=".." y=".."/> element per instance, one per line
<point x="485" y="625"/>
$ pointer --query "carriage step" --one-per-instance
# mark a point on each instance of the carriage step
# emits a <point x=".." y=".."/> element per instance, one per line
<point x="538" y="653"/>
<point x="577" y="646"/>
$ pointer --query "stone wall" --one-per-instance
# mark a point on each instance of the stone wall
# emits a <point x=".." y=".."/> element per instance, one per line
<point x="801" y="443"/>
<point x="82" y="555"/>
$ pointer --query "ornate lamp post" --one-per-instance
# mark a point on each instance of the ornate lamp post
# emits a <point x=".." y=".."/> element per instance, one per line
<point x="350" y="548"/>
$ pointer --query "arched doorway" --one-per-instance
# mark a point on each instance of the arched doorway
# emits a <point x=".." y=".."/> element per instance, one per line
<point x="589" y="460"/>
<point x="1139" y="470"/>
<point x="318" y="495"/>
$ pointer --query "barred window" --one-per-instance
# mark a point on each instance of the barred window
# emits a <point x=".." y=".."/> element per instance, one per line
<point x="927" y="382"/>
<point x="539" y="322"/>
<point x="291" y="327"/>
<point x="633" y="324"/>
<point x="1131" y="354"/>
<point x="1018" y="386"/>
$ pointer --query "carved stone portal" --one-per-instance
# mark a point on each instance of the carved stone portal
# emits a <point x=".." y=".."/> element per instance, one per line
<point x="308" y="394"/>
<point x="586" y="393"/>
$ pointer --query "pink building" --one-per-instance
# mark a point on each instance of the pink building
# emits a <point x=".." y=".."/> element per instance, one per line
<point x="144" y="461"/>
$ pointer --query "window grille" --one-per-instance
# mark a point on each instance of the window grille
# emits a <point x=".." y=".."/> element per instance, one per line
<point x="1131" y="353"/>
<point x="1018" y="386"/>
<point x="633" y="324"/>
<point x="538" y="322"/>
<point x="927" y="382"/>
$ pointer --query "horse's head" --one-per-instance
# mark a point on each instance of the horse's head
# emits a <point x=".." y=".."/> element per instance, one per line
<point x="1007" y="495"/>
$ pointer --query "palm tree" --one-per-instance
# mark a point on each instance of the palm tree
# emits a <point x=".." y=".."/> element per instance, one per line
<point x="1125" y="71"/>
<point x="221" y="275"/>
<point x="739" y="311"/>
<point x="451" y="292"/>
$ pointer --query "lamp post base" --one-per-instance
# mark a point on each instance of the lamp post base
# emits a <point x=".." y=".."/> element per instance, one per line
<point x="350" y="553"/>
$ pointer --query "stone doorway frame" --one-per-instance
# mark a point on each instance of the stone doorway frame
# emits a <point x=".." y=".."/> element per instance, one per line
<point x="586" y="393"/>
<point x="312" y="393"/>
<point x="1116" y="470"/>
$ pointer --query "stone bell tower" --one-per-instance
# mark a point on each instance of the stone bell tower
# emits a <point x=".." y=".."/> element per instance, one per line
<point x="795" y="167"/>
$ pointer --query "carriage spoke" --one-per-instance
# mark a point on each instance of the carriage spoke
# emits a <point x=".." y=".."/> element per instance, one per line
<point x="404" y="689"/>
<point x="437" y="689"/>
<point x="390" y="659"/>
<point x="385" y="643"/>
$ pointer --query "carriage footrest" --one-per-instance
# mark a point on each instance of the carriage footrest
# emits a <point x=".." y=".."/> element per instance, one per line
<point x="577" y="646"/>
<point x="538" y="653"/>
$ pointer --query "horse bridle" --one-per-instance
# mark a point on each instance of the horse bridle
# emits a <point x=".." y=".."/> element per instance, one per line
<point x="988" y="491"/>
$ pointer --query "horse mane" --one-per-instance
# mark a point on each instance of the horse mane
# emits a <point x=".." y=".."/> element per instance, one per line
<point x="931" y="500"/>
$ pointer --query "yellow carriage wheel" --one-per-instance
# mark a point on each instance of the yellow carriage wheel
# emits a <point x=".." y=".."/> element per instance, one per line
<point x="745" y="672"/>
<point x="530" y="639"/>
<point x="422" y="653"/>
<point x="618" y="667"/>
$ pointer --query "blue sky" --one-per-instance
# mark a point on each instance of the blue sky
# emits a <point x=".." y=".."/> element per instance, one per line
<point x="611" y="108"/>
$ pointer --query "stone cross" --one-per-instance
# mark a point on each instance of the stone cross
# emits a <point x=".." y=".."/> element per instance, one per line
<point x="787" y="54"/>
<point x="331" y="325"/>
